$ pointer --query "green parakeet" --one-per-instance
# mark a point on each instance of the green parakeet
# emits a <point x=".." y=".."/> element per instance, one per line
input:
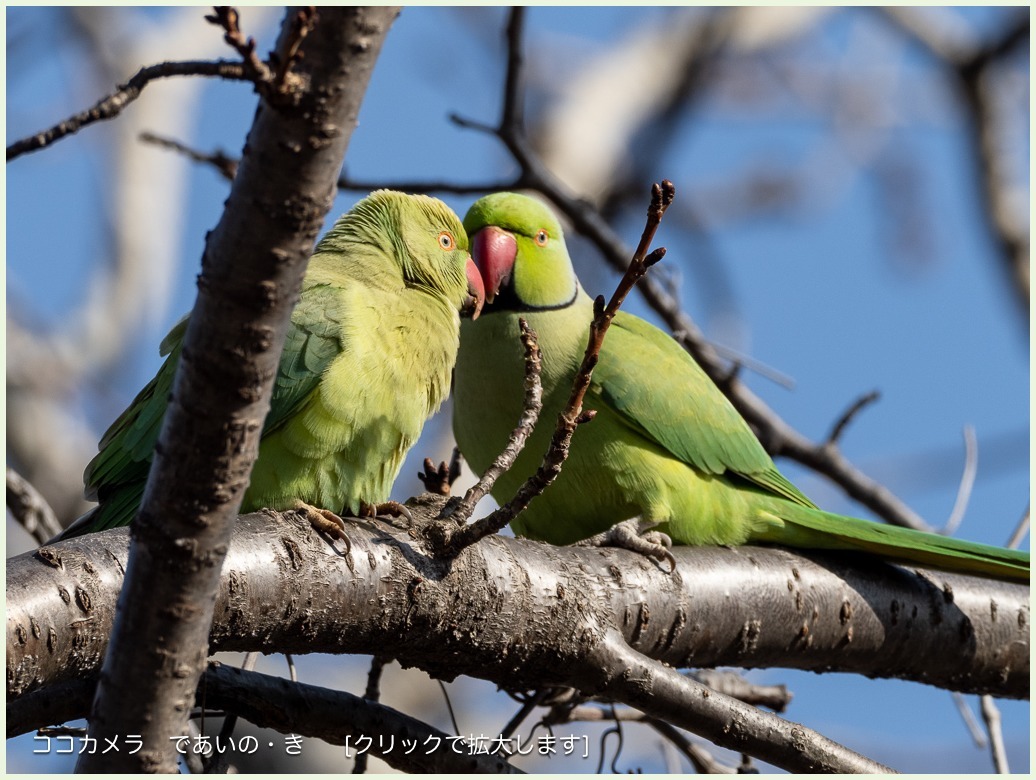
<point x="666" y="446"/>
<point x="367" y="359"/>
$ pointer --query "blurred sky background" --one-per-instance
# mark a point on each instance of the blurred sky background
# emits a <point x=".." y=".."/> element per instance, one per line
<point x="839" y="240"/>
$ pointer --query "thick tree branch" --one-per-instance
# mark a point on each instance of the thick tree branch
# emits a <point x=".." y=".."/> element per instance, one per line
<point x="287" y="707"/>
<point x="336" y="716"/>
<point x="251" y="273"/>
<point x="627" y="676"/>
<point x="522" y="613"/>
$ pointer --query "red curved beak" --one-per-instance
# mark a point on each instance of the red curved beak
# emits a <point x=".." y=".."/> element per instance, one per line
<point x="476" y="291"/>
<point x="494" y="251"/>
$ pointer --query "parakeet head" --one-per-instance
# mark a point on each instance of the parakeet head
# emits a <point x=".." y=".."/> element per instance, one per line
<point x="519" y="248"/>
<point x="424" y="237"/>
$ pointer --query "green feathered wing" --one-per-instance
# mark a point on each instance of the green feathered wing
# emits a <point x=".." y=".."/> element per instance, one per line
<point x="116" y="475"/>
<point x="659" y="390"/>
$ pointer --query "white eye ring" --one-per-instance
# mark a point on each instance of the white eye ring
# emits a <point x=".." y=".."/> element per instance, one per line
<point x="446" y="240"/>
<point x="541" y="238"/>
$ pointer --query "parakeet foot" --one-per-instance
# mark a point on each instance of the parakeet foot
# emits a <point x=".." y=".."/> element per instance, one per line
<point x="635" y="535"/>
<point x="324" y="521"/>
<point x="393" y="508"/>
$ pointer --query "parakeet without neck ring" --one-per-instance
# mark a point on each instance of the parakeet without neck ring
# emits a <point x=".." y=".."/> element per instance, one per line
<point x="666" y="446"/>
<point x="367" y="359"/>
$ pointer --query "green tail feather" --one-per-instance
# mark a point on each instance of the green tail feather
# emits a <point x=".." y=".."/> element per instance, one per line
<point x="804" y="528"/>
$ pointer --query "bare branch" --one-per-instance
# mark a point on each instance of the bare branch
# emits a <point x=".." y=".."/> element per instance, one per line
<point x="701" y="759"/>
<point x="458" y="510"/>
<point x="847" y="416"/>
<point x="991" y="717"/>
<point x="290" y="708"/>
<point x="724" y="721"/>
<point x="776" y="697"/>
<point x="226" y="165"/>
<point x="112" y="105"/>
<point x="977" y="736"/>
<point x="523" y="614"/>
<point x="970" y="66"/>
<point x="372" y="693"/>
<point x="227" y="18"/>
<point x="305" y="20"/>
<point x="512" y="112"/>
<point x="30" y="509"/>
<point x="967" y="481"/>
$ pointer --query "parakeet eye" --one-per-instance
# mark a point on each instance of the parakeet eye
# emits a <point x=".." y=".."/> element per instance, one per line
<point x="541" y="238"/>
<point x="446" y="240"/>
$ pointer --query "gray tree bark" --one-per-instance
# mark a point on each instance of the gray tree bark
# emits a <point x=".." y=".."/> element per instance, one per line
<point x="251" y="275"/>
<point x="525" y="614"/>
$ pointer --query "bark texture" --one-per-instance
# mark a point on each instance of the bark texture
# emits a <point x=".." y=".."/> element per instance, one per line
<point x="522" y="613"/>
<point x="251" y="274"/>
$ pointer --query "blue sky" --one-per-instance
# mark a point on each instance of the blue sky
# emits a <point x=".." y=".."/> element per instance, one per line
<point x="818" y="289"/>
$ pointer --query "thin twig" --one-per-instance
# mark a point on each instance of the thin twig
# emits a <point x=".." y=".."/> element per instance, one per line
<point x="372" y="693"/>
<point x="573" y="415"/>
<point x="967" y="481"/>
<point x="752" y="364"/>
<point x="527" y="707"/>
<point x="217" y="763"/>
<point x="991" y="716"/>
<point x="1020" y="531"/>
<point x="226" y="165"/>
<point x="226" y="16"/>
<point x="373" y="690"/>
<point x="195" y="762"/>
<point x="840" y="425"/>
<point x="112" y="105"/>
<point x="732" y="684"/>
<point x="702" y="760"/>
<point x="305" y="20"/>
<point x="458" y="510"/>
<point x="977" y="735"/>
<point x="449" y="707"/>
<point x="30" y="509"/>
